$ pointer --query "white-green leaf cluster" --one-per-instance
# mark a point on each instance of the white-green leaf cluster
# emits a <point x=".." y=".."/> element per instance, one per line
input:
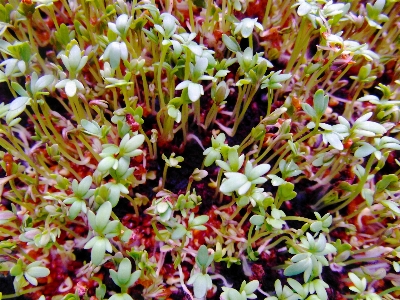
<point x="106" y="229"/>
<point x="201" y="281"/>
<point x="322" y="223"/>
<point x="275" y="219"/>
<point x="114" y="155"/>
<point x="74" y="62"/>
<point x="241" y="183"/>
<point x="246" y="291"/>
<point x="31" y="272"/>
<point x="379" y="144"/>
<point x="194" y="90"/>
<point x="246" y="27"/>
<point x="201" y="284"/>
<point x="121" y="25"/>
<point x="93" y="128"/>
<point x="71" y="86"/>
<point x="235" y="162"/>
<point x="273" y="80"/>
<point x="124" y="278"/>
<point x="320" y="105"/>
<point x="284" y="293"/>
<point x="374" y="16"/>
<point x="213" y="153"/>
<point x="114" y="52"/>
<point x="81" y="193"/>
<point x="311" y="261"/>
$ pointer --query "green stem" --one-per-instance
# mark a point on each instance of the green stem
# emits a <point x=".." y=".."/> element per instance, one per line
<point x="356" y="261"/>
<point x="68" y="167"/>
<point x="207" y="17"/>
<point x="54" y="134"/>
<point x="197" y="112"/>
<point x="349" y="107"/>
<point x="385" y="292"/>
<point x="360" y="185"/>
<point x="264" y="235"/>
<point x="42" y="162"/>
<point x="164" y="177"/>
<point x="184" y="120"/>
<point x="246" y="105"/>
<point x="115" y="98"/>
<point x="223" y="25"/>
<point x="244" y="218"/>
<point x="146" y="89"/>
<point x="159" y="81"/>
<point x="278" y="241"/>
<point x="7" y="232"/>
<point x="245" y="145"/>
<point x="251" y="39"/>
<point x="155" y="229"/>
<point x="313" y="79"/>
<point x="236" y="212"/>
<point x="270" y="98"/>
<point x="239" y="101"/>
<point x="266" y="14"/>
<point x="167" y="131"/>
<point x="53" y="17"/>
<point x="276" y="165"/>
<point x="355" y="213"/>
<point x="95" y="74"/>
<point x="25" y="255"/>
<point x="71" y="232"/>
<point x="191" y="17"/>
<point x="211" y="115"/>
<point x="300" y="219"/>
<point x="227" y="205"/>
<point x="88" y="147"/>
<point x="34" y="45"/>
<point x="323" y="199"/>
<point x="149" y="145"/>
<point x="11" y="89"/>
<point x="23" y="292"/>
<point x="271" y="146"/>
<point x="135" y="207"/>
<point x="249" y="235"/>
<point x="219" y="176"/>
<point x="189" y="184"/>
<point x="334" y="83"/>
<point x="300" y="43"/>
<point x="17" y="151"/>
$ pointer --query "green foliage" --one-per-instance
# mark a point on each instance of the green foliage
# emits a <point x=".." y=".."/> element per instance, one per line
<point x="242" y="183"/>
<point x="246" y="291"/>
<point x="124" y="278"/>
<point x="201" y="281"/>
<point x="104" y="230"/>
<point x="311" y="261"/>
<point x="81" y="192"/>
<point x="27" y="273"/>
<point x="114" y="155"/>
<point x="107" y="96"/>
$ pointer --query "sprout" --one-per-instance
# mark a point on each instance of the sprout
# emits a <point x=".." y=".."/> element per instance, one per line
<point x="246" y="27"/>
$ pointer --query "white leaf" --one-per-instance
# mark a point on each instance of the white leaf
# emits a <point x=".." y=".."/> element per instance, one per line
<point x="74" y="57"/>
<point x="195" y="90"/>
<point x="70" y="88"/>
<point x="364" y="150"/>
<point x="334" y="140"/>
<point x="182" y="85"/>
<point x="43" y="82"/>
<point x="17" y="106"/>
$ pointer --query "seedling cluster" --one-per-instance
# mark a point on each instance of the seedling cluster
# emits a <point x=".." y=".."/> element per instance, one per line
<point x="208" y="149"/>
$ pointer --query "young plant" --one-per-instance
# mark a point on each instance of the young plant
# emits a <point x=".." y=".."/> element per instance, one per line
<point x="199" y="278"/>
